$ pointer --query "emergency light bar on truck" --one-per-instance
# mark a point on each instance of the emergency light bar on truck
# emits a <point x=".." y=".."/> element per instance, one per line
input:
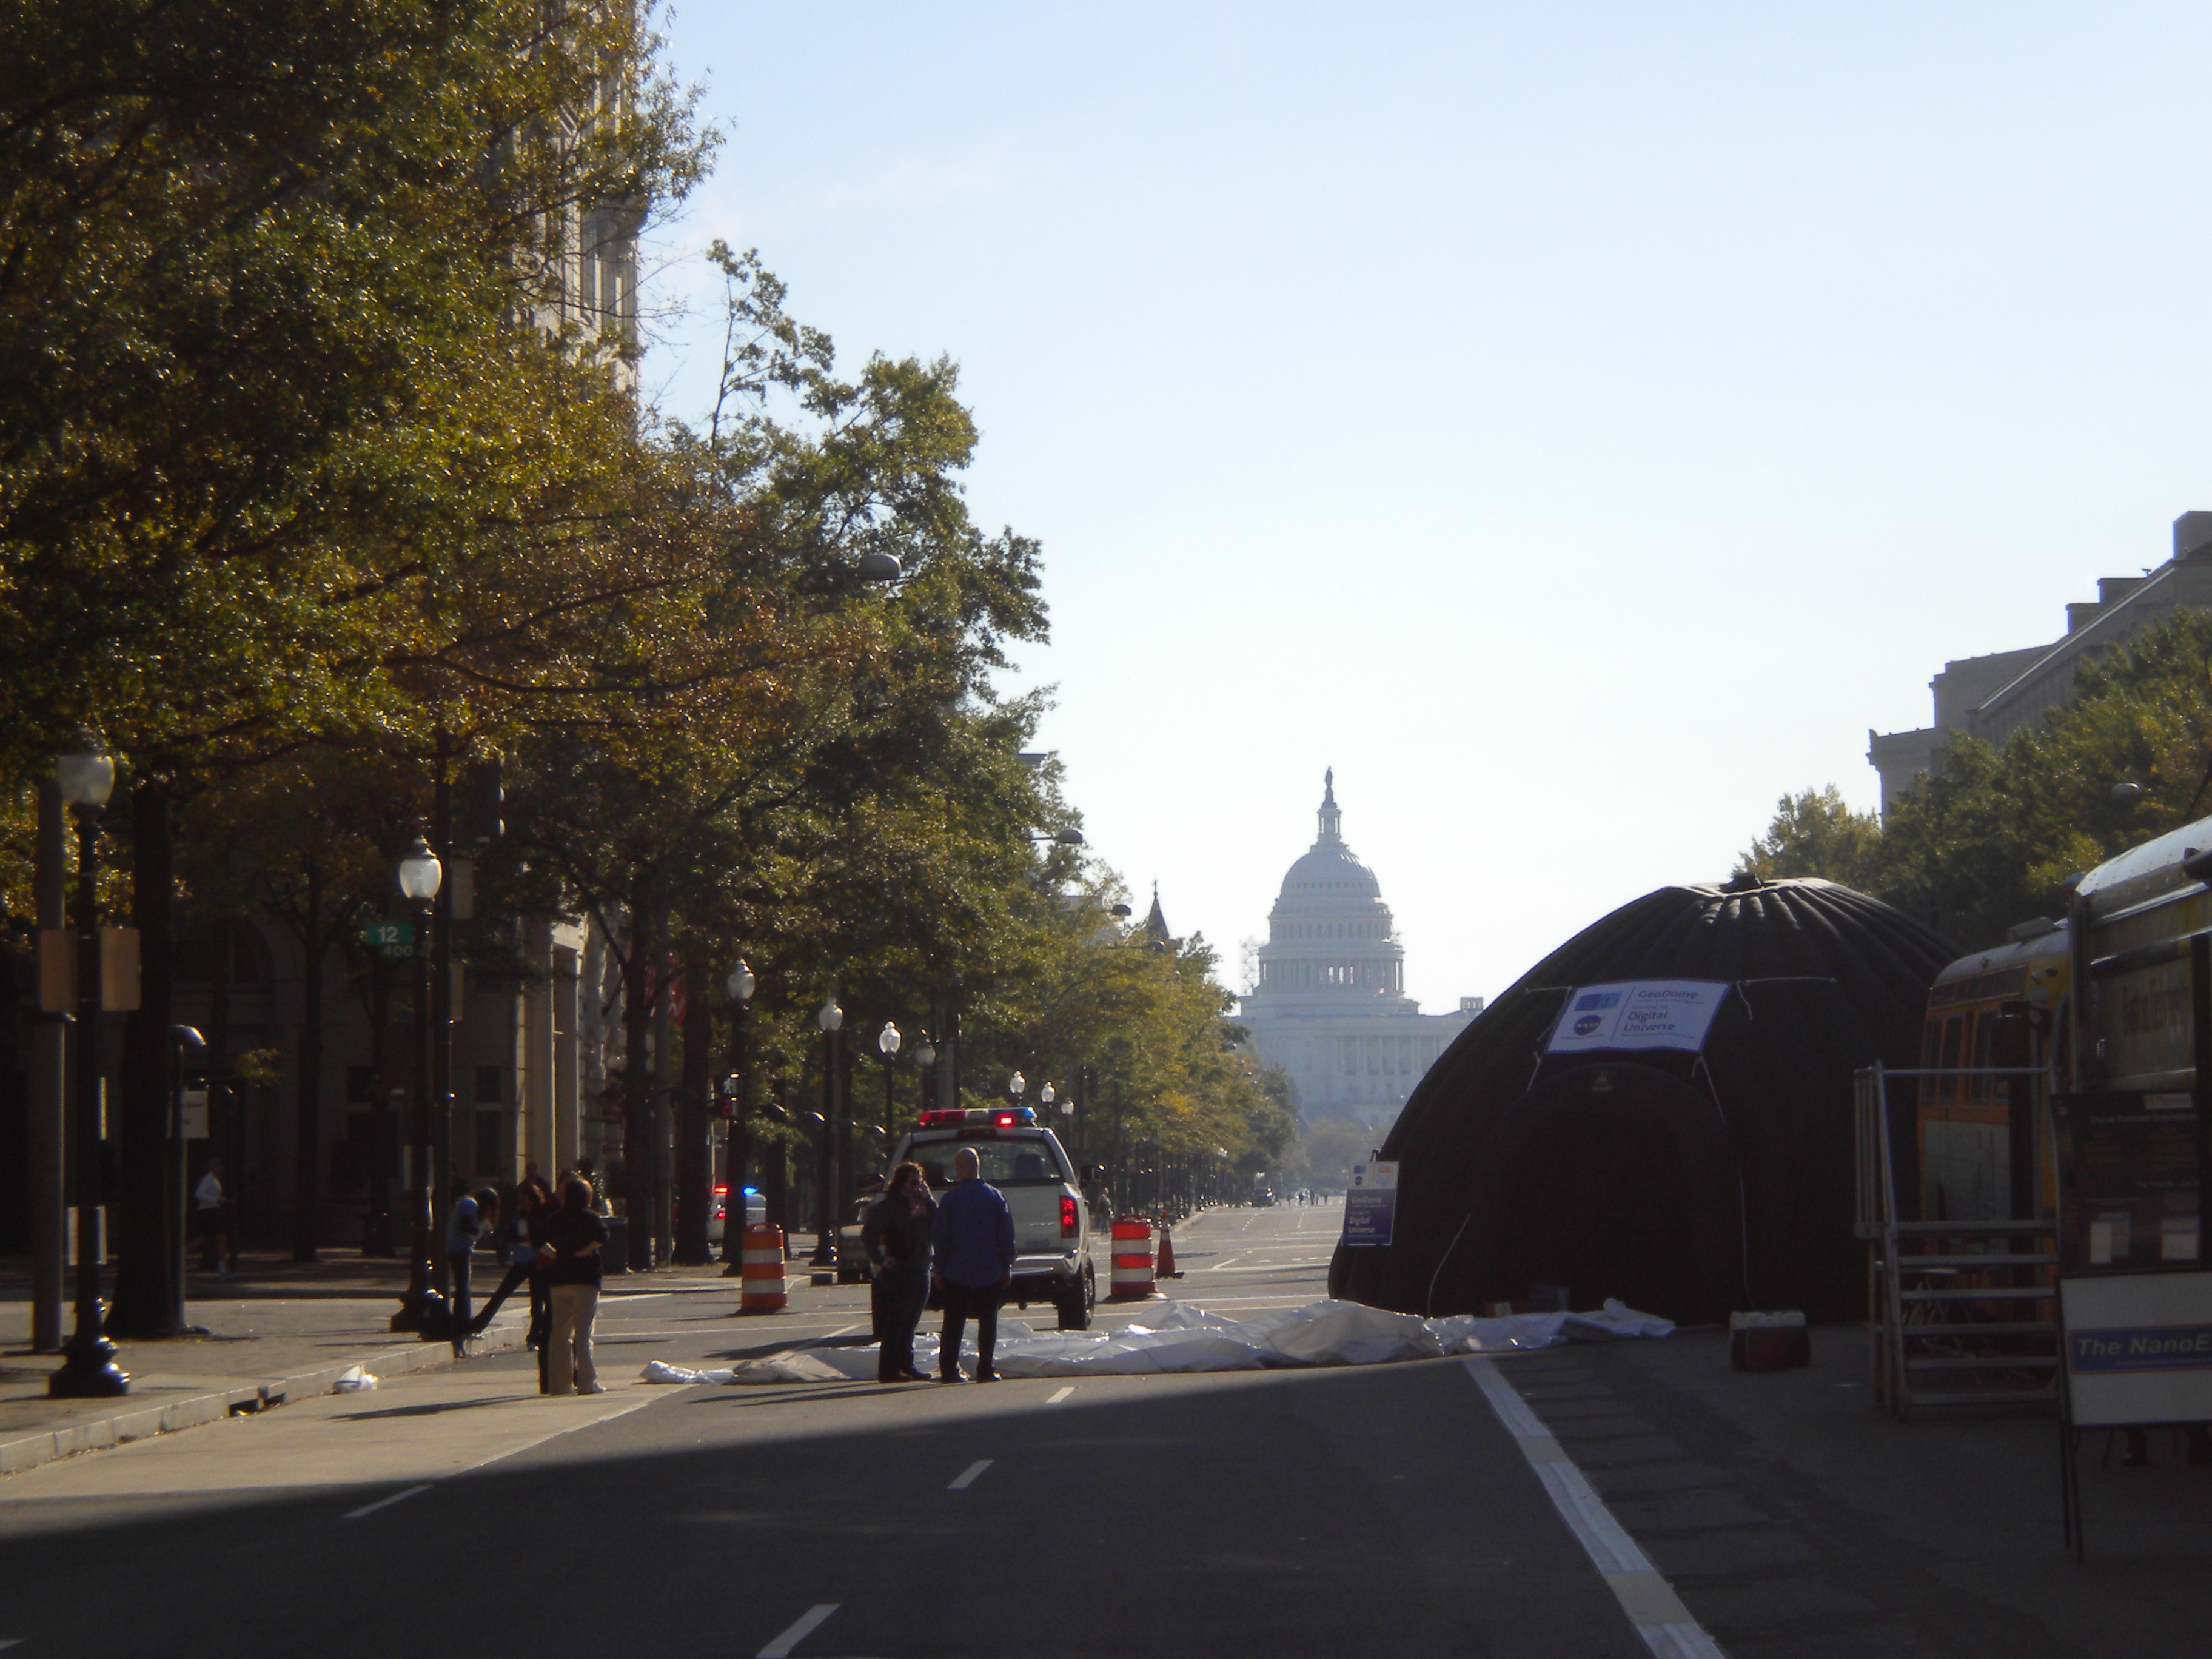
<point x="984" y="1117"/>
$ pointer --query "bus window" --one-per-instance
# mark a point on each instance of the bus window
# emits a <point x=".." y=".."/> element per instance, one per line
<point x="1931" y="1044"/>
<point x="1954" y="1030"/>
<point x="1986" y="1025"/>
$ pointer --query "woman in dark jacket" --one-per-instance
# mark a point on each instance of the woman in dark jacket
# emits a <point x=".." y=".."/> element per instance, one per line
<point x="896" y="1236"/>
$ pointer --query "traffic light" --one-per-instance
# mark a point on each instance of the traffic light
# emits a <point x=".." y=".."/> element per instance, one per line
<point x="481" y="802"/>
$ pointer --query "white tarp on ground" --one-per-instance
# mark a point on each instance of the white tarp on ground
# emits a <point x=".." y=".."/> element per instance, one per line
<point x="1183" y="1338"/>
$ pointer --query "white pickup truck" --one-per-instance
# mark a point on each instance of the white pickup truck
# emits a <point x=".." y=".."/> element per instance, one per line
<point x="1025" y="1162"/>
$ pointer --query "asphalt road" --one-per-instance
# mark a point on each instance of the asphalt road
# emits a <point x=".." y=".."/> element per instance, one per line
<point x="1285" y="1512"/>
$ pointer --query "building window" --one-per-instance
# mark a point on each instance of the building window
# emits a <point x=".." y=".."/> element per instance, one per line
<point x="488" y="1124"/>
<point x="491" y="1086"/>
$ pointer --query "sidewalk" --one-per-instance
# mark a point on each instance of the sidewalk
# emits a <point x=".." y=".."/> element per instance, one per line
<point x="280" y="1330"/>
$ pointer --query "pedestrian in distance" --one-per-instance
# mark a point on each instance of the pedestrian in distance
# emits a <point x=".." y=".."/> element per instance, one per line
<point x="519" y="1239"/>
<point x="972" y="1263"/>
<point x="574" y="1239"/>
<point x="467" y="1218"/>
<point x="895" y="1235"/>
<point x="212" y="1216"/>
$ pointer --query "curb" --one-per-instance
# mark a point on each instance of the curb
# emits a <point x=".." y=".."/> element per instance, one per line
<point x="92" y="1434"/>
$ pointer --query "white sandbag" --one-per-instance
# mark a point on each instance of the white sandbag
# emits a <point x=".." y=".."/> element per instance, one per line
<point x="353" y="1379"/>
<point x="790" y="1366"/>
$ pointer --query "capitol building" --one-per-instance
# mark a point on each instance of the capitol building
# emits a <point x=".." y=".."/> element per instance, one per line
<point x="1330" y="1005"/>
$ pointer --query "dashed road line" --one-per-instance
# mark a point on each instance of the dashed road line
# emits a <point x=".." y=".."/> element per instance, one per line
<point x="1061" y="1395"/>
<point x="385" y="1503"/>
<point x="1669" y="1628"/>
<point x="967" y="1478"/>
<point x="808" y="1623"/>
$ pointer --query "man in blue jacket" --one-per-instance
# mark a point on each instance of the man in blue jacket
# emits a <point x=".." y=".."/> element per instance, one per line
<point x="972" y="1260"/>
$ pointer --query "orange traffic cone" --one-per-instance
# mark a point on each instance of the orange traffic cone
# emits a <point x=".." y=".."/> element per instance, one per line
<point x="1167" y="1267"/>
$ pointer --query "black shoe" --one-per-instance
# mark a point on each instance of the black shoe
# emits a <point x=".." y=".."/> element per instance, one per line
<point x="986" y="1376"/>
<point x="951" y="1377"/>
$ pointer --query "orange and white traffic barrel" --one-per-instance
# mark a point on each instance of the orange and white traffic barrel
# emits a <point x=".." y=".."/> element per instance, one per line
<point x="761" y="1262"/>
<point x="1132" y="1259"/>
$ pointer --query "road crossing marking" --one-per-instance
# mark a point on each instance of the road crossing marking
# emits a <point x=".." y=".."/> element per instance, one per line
<point x="385" y="1503"/>
<point x="968" y="1475"/>
<point x="809" y="1622"/>
<point x="1061" y="1395"/>
<point x="1669" y="1629"/>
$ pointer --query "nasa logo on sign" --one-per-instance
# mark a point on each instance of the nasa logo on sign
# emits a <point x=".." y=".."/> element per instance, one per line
<point x="1587" y="1024"/>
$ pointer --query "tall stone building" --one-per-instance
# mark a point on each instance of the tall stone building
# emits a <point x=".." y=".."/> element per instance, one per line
<point x="1993" y="696"/>
<point x="1330" y="1005"/>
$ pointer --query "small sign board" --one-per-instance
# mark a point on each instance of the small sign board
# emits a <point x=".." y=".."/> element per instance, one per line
<point x="1642" y="1014"/>
<point x="2138" y="1348"/>
<point x="1370" y="1205"/>
<point x="192" y="1114"/>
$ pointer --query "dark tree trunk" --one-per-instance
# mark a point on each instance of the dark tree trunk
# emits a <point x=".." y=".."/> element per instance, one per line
<point x="637" y="1091"/>
<point x="145" y="1226"/>
<point x="694" y="1163"/>
<point x="306" y="1187"/>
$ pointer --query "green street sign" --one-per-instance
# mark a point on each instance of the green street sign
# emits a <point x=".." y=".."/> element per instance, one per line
<point x="392" y="938"/>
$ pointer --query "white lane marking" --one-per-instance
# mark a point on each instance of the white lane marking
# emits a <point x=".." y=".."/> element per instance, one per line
<point x="1669" y="1629"/>
<point x="1061" y="1395"/>
<point x="588" y="1423"/>
<point x="1218" y="1266"/>
<point x="10" y="1642"/>
<point x="842" y="1330"/>
<point x="384" y="1502"/>
<point x="968" y="1475"/>
<point x="809" y="1622"/>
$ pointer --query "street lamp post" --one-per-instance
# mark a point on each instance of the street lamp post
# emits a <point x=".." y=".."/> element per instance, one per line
<point x="183" y="1039"/>
<point x="89" y="1371"/>
<point x="1016" y="1085"/>
<point x="887" y="1044"/>
<point x="830" y="1016"/>
<point x="734" y="1215"/>
<point x="420" y="875"/>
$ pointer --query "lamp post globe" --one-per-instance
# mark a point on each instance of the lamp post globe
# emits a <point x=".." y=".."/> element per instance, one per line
<point x="741" y="981"/>
<point x="830" y="1016"/>
<point x="420" y="873"/>
<point x="1046" y="1095"/>
<point x="85" y="775"/>
<point x="1015" y="1086"/>
<point x="888" y="1040"/>
<point x="926" y="1055"/>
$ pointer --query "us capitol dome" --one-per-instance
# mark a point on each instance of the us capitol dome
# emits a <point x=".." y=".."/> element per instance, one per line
<point x="1330" y="1005"/>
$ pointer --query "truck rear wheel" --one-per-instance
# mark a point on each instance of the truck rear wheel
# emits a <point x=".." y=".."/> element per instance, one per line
<point x="1076" y="1303"/>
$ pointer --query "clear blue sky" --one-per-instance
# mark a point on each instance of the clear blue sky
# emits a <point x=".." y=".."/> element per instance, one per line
<point x="1576" y="424"/>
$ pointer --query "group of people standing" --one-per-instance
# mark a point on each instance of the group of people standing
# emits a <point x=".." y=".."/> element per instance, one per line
<point x="552" y="1245"/>
<point x="963" y="1244"/>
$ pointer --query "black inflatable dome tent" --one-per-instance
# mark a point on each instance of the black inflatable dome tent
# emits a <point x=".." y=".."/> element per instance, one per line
<point x="1687" y="1184"/>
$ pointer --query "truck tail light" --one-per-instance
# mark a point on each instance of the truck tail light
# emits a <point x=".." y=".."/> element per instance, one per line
<point x="1068" y="1218"/>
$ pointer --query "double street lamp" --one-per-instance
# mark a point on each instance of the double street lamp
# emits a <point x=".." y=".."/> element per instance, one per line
<point x="420" y="875"/>
<point x="89" y="1371"/>
<point x="887" y="1044"/>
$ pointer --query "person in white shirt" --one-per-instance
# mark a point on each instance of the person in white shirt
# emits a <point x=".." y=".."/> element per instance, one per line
<point x="212" y="1213"/>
